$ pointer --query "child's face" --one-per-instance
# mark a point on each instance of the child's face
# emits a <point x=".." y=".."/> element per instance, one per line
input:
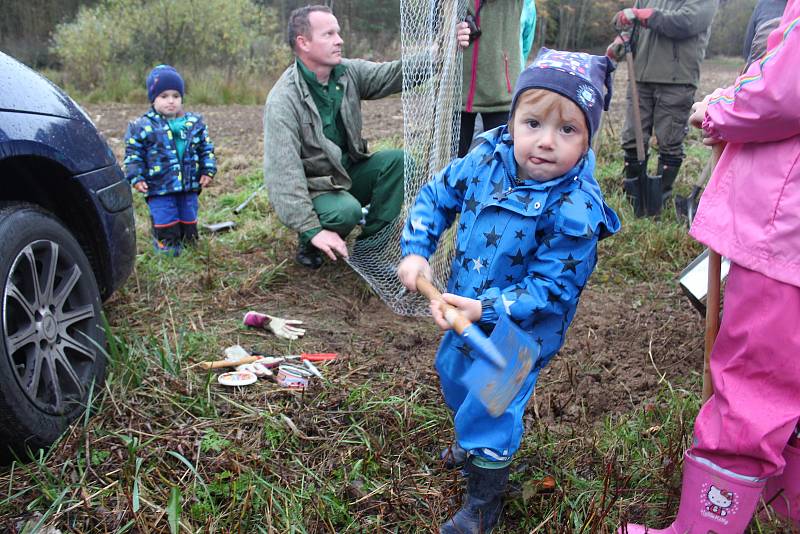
<point x="548" y="139"/>
<point x="169" y="103"/>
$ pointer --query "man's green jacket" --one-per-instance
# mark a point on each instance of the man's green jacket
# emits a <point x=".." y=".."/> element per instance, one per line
<point x="672" y="47"/>
<point x="299" y="161"/>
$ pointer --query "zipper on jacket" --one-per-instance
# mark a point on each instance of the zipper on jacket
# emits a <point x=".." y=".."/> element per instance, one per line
<point x="473" y="77"/>
<point x="508" y="77"/>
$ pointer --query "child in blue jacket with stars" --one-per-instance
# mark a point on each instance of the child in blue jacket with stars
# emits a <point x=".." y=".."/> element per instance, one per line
<point x="531" y="214"/>
<point x="169" y="157"/>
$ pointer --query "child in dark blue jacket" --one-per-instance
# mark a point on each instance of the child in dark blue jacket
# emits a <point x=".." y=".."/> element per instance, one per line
<point x="531" y="214"/>
<point x="170" y="158"/>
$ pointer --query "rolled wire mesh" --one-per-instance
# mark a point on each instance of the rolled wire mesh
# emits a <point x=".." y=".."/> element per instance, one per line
<point x="431" y="102"/>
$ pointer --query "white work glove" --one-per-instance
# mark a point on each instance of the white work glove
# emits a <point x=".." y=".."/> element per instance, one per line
<point x="285" y="328"/>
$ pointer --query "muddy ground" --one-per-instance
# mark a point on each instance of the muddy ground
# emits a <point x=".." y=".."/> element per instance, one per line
<point x="625" y="338"/>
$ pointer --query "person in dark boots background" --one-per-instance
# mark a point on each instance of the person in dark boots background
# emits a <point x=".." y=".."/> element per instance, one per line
<point x="530" y="216"/>
<point x="669" y="45"/>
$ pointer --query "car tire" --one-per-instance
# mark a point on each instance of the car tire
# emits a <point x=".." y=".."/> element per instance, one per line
<point x="52" y="344"/>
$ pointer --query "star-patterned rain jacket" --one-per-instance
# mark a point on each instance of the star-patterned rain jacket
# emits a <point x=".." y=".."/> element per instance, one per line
<point x="525" y="249"/>
<point x="151" y="155"/>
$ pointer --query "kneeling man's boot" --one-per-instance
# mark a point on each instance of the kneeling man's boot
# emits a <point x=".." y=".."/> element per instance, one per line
<point x="784" y="490"/>
<point x="711" y="501"/>
<point x="308" y="256"/>
<point x="483" y="501"/>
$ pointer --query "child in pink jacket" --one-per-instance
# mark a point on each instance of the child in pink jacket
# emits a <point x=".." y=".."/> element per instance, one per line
<point x="745" y="437"/>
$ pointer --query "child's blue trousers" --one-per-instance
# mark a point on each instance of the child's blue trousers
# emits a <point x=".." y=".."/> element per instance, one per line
<point x="477" y="432"/>
<point x="174" y="218"/>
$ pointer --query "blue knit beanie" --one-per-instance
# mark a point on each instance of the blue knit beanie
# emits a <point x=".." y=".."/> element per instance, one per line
<point x="163" y="78"/>
<point x="574" y="75"/>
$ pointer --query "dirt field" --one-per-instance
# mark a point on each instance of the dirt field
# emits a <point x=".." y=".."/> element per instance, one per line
<point x="624" y="340"/>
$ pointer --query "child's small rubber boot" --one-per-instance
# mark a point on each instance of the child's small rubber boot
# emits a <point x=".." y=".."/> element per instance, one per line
<point x="483" y="501"/>
<point x="453" y="456"/>
<point x="784" y="489"/>
<point x="711" y="501"/>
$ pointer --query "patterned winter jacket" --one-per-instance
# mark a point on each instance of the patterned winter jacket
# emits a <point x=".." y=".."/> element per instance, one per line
<point x="525" y="249"/>
<point x="151" y="155"/>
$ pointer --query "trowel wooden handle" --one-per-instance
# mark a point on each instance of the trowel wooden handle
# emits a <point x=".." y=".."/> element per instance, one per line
<point x="451" y="313"/>
<point x="229" y="363"/>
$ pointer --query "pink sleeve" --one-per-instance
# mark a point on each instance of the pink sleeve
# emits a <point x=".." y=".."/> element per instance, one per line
<point x="762" y="105"/>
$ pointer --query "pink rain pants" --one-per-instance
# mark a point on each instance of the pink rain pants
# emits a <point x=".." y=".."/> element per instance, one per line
<point x="755" y="369"/>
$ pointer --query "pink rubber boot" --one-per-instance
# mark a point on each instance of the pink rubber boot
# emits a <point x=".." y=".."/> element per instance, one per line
<point x="786" y="503"/>
<point x="711" y="501"/>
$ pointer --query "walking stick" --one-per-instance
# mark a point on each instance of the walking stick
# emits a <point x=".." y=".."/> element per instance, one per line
<point x="712" y="299"/>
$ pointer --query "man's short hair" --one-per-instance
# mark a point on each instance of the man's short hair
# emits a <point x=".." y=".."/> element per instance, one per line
<point x="298" y="22"/>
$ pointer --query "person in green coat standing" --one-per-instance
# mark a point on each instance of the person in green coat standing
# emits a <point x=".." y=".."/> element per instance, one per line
<point x="669" y="45"/>
<point x="500" y="41"/>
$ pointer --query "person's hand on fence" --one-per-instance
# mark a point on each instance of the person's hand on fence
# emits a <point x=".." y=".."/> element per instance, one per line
<point x="141" y="186"/>
<point x="285" y="328"/>
<point x="462" y="34"/>
<point x="410" y="268"/>
<point x="616" y="50"/>
<point x="331" y="244"/>
<point x="469" y="308"/>
<point x="627" y="17"/>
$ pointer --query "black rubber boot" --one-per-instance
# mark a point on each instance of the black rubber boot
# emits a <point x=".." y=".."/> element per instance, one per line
<point x="633" y="185"/>
<point x="309" y="256"/>
<point x="483" y="501"/>
<point x="668" y="168"/>
<point x="654" y="197"/>
<point x="453" y="457"/>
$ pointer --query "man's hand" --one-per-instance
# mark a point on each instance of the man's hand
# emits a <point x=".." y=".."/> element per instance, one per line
<point x="410" y="268"/>
<point x="462" y="34"/>
<point x="469" y="308"/>
<point x="331" y="244"/>
<point x="625" y="18"/>
<point x="616" y="50"/>
<point x="141" y="186"/>
<point x="205" y="180"/>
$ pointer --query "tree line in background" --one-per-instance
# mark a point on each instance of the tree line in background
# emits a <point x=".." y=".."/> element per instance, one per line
<point x="88" y="39"/>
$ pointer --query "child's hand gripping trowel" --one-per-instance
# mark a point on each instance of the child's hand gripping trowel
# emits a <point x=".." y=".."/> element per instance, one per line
<point x="507" y="356"/>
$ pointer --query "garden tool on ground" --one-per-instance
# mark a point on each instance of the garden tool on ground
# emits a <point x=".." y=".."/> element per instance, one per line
<point x="505" y="359"/>
<point x="218" y="364"/>
<point x="238" y="209"/>
<point x="285" y="328"/>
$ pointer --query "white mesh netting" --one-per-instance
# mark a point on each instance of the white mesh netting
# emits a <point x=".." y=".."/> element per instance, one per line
<point x="431" y="104"/>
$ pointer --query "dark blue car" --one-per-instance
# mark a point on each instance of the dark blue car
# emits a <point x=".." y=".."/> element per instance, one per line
<point x="66" y="243"/>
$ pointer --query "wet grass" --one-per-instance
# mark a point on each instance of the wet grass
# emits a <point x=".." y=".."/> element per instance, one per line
<point x="167" y="449"/>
